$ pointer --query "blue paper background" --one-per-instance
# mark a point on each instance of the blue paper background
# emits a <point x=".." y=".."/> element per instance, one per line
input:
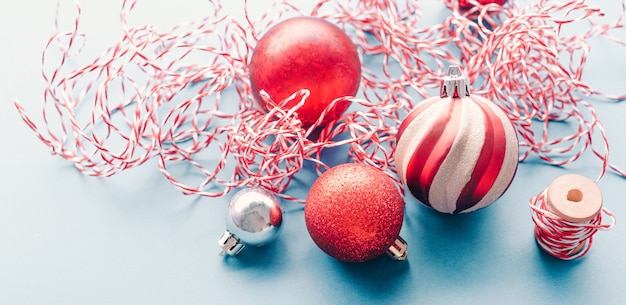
<point x="66" y="238"/>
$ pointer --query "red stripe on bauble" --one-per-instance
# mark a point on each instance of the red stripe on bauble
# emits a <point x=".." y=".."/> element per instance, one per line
<point x="489" y="164"/>
<point x="414" y="113"/>
<point x="432" y="150"/>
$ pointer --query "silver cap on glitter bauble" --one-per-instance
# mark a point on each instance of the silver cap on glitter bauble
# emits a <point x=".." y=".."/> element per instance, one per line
<point x="254" y="218"/>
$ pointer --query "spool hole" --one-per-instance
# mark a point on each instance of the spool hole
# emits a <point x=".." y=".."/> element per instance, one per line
<point x="575" y="195"/>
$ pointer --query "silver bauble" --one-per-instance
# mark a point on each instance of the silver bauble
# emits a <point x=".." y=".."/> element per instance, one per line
<point x="254" y="218"/>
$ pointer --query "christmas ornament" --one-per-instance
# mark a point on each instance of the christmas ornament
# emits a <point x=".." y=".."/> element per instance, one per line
<point x="456" y="152"/>
<point x="567" y="215"/>
<point x="354" y="213"/>
<point x="254" y="218"/>
<point x="175" y="111"/>
<point x="306" y="53"/>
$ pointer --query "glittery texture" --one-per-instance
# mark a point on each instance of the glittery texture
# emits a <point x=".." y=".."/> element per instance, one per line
<point x="306" y="53"/>
<point x="354" y="212"/>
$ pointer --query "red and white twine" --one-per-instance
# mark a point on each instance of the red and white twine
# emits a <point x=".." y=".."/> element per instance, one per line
<point x="562" y="238"/>
<point x="183" y="96"/>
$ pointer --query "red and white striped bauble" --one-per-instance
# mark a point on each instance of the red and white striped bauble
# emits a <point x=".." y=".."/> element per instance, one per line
<point x="456" y="152"/>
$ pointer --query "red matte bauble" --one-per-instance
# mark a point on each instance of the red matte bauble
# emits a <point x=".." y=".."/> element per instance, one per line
<point x="465" y="4"/>
<point x="306" y="53"/>
<point x="354" y="212"/>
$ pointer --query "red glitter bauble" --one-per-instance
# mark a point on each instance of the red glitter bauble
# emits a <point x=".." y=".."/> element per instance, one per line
<point x="465" y="4"/>
<point x="306" y="53"/>
<point x="354" y="212"/>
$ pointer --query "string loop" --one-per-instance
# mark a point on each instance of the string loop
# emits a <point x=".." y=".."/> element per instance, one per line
<point x="174" y="95"/>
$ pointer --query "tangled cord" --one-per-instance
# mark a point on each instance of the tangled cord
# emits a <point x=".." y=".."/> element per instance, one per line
<point x="156" y="94"/>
